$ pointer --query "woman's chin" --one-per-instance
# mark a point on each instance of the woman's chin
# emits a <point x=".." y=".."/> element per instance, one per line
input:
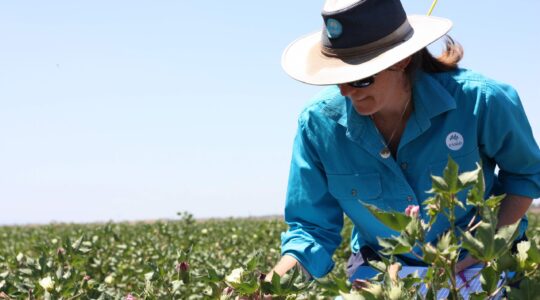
<point x="364" y="110"/>
<point x="365" y="106"/>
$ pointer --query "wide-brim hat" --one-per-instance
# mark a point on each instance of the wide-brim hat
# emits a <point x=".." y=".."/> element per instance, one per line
<point x="359" y="38"/>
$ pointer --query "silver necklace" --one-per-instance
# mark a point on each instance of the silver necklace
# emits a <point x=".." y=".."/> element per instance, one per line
<point x="385" y="151"/>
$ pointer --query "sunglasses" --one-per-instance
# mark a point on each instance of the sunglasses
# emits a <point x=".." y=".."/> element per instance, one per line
<point x="362" y="83"/>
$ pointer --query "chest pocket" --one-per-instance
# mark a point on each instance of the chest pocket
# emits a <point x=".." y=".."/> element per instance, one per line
<point x="466" y="162"/>
<point x="364" y="187"/>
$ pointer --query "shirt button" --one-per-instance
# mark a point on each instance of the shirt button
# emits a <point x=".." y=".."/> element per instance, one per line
<point x="409" y="198"/>
<point x="404" y="166"/>
<point x="353" y="192"/>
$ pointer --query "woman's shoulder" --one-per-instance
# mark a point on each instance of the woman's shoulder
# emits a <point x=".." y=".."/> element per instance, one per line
<point x="472" y="82"/>
<point x="328" y="104"/>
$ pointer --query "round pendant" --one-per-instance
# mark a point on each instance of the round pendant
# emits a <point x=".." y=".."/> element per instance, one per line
<point x="385" y="153"/>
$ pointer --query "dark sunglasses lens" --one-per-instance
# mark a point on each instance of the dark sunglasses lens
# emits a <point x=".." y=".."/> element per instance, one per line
<point x="362" y="82"/>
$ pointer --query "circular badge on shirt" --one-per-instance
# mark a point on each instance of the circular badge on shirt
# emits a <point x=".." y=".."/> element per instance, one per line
<point x="333" y="28"/>
<point x="454" y="141"/>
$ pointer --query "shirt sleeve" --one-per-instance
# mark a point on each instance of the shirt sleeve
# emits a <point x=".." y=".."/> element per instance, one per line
<point x="507" y="138"/>
<point x="314" y="217"/>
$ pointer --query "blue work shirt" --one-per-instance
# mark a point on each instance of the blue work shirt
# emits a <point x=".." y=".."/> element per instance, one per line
<point x="336" y="161"/>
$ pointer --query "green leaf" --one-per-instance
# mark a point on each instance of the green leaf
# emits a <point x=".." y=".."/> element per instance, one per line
<point x="505" y="237"/>
<point x="25" y="271"/>
<point x="473" y="245"/>
<point x="377" y="265"/>
<point x="444" y="241"/>
<point x="276" y="283"/>
<point x="431" y="293"/>
<point x="450" y="175"/>
<point x="485" y="233"/>
<point x="75" y="246"/>
<point x="534" y="251"/>
<point x="430" y="253"/>
<point x="251" y="265"/>
<point x="149" y="276"/>
<point x="394" y="245"/>
<point x="438" y="185"/>
<point x="528" y="289"/>
<point x="469" y="178"/>
<point x="414" y="231"/>
<point x="247" y="288"/>
<point x="84" y="250"/>
<point x="495" y="201"/>
<point x="394" y="220"/>
<point x="489" y="279"/>
<point x="458" y="203"/>
<point x="506" y="262"/>
<point x="475" y="197"/>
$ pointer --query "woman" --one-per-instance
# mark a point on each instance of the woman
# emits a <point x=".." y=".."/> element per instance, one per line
<point x="391" y="117"/>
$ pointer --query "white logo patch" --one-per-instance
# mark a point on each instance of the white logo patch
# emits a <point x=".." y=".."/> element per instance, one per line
<point x="454" y="141"/>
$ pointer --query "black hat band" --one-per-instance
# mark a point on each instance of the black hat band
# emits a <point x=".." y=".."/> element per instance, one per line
<point x="401" y="34"/>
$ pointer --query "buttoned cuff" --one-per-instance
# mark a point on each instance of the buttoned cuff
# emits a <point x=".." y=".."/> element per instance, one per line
<point x="520" y="185"/>
<point x="311" y="256"/>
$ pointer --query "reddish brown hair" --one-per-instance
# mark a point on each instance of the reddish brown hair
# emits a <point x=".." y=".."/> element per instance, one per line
<point x="425" y="61"/>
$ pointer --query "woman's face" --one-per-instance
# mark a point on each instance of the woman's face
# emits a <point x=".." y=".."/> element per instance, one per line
<point x="385" y="94"/>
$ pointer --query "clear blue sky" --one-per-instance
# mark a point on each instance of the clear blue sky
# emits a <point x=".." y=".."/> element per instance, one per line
<point x="130" y="110"/>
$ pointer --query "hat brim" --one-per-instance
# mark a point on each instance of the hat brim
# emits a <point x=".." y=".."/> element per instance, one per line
<point x="303" y="59"/>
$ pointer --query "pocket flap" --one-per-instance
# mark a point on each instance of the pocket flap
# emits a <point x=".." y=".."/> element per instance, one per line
<point x="355" y="186"/>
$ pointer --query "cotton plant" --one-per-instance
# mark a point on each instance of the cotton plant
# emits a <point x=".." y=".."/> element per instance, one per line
<point x="482" y="239"/>
<point x="249" y="283"/>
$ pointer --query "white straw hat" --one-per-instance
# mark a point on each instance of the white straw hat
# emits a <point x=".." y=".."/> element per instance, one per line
<point x="360" y="38"/>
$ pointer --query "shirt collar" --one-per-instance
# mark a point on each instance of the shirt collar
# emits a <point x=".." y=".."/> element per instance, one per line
<point x="429" y="95"/>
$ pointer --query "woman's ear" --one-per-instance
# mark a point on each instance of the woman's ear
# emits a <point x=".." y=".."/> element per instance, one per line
<point x="403" y="63"/>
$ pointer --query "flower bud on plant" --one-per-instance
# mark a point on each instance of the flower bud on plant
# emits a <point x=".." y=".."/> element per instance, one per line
<point x="412" y="211"/>
<point x="130" y="297"/>
<point x="182" y="267"/>
<point x="360" y="284"/>
<point x="228" y="291"/>
<point x="183" y="270"/>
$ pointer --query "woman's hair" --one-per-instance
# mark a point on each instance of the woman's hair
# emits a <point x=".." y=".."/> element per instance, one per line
<point x="425" y="61"/>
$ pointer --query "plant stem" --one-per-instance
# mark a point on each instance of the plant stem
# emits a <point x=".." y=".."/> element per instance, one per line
<point x="452" y="219"/>
<point x="472" y="221"/>
<point x="496" y="291"/>
<point x="74" y="297"/>
<point x="475" y="226"/>
<point x="454" y="291"/>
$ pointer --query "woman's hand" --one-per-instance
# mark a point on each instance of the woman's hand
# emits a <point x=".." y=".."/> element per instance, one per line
<point x="286" y="263"/>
